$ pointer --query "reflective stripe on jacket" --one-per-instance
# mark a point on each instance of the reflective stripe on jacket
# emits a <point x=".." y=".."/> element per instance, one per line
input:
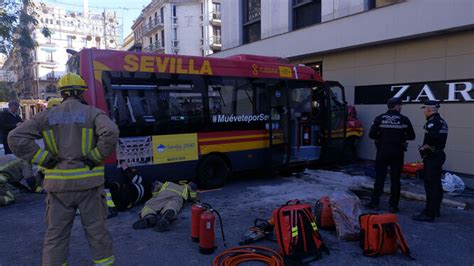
<point x="70" y="131"/>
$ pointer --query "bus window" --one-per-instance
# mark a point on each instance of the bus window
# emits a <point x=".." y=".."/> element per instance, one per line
<point x="237" y="102"/>
<point x="154" y="104"/>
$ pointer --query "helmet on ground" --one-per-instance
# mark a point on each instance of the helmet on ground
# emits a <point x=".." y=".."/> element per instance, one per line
<point x="71" y="82"/>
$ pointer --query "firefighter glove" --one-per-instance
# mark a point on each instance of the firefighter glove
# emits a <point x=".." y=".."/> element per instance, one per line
<point x="90" y="163"/>
<point x="51" y="163"/>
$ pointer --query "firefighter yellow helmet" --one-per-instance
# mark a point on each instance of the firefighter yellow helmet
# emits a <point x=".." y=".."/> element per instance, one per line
<point x="71" y="82"/>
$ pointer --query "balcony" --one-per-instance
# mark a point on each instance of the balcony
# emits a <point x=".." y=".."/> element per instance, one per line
<point x="216" y="43"/>
<point x="48" y="43"/>
<point x="215" y="18"/>
<point x="154" y="24"/>
<point x="154" y="47"/>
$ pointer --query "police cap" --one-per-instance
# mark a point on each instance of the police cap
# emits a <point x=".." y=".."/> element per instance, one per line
<point x="430" y="104"/>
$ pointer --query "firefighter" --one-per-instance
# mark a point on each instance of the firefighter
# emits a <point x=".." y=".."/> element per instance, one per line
<point x="390" y="131"/>
<point x="432" y="152"/>
<point x="168" y="199"/>
<point x="16" y="171"/>
<point x="77" y="139"/>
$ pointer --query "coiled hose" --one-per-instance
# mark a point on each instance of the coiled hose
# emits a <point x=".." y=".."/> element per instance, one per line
<point x="239" y="255"/>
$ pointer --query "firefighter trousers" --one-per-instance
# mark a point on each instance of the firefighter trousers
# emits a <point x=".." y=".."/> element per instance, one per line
<point x="158" y="205"/>
<point x="60" y="212"/>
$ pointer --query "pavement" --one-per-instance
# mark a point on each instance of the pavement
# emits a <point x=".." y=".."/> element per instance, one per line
<point x="448" y="241"/>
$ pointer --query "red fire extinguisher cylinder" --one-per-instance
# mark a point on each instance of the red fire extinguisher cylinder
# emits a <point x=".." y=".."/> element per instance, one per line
<point x="196" y="211"/>
<point x="206" y="233"/>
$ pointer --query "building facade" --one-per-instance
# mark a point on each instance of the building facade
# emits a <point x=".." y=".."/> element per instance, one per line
<point x="415" y="49"/>
<point x="69" y="30"/>
<point x="186" y="27"/>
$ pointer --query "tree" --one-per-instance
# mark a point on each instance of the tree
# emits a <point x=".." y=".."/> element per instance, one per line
<point x="17" y="20"/>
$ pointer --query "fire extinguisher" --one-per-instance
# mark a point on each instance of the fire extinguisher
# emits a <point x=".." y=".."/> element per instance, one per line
<point x="196" y="211"/>
<point x="204" y="227"/>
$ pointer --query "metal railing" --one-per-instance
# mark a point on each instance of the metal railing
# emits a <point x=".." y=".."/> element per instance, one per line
<point x="154" y="23"/>
<point x="216" y="40"/>
<point x="154" y="46"/>
<point x="216" y="15"/>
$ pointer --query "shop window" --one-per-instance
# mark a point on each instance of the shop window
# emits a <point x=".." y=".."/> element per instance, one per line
<point x="306" y="13"/>
<point x="380" y="3"/>
<point x="251" y="21"/>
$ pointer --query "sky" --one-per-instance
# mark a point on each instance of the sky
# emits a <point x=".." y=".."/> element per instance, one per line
<point x="128" y="10"/>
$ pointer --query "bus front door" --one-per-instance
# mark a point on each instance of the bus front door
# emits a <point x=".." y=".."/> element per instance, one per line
<point x="334" y="130"/>
<point x="278" y="126"/>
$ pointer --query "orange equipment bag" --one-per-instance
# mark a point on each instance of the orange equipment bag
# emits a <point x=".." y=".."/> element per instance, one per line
<point x="297" y="233"/>
<point x="323" y="214"/>
<point x="380" y="234"/>
<point x="413" y="169"/>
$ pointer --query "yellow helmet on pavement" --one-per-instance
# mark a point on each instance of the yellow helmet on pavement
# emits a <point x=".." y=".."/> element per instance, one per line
<point x="71" y="82"/>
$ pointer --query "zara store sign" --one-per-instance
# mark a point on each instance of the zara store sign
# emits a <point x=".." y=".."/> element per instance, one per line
<point x="458" y="91"/>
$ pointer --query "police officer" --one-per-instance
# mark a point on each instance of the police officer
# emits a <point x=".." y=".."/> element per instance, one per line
<point x="77" y="138"/>
<point x="432" y="152"/>
<point x="390" y="131"/>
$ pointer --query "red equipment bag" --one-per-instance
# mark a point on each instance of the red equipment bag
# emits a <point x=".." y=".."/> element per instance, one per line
<point x="413" y="169"/>
<point x="380" y="234"/>
<point x="297" y="232"/>
<point x="323" y="214"/>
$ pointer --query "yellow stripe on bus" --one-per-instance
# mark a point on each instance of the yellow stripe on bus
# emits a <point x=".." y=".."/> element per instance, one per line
<point x="238" y="146"/>
<point x="234" y="137"/>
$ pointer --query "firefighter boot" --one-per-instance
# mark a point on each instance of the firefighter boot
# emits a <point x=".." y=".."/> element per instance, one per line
<point x="164" y="222"/>
<point x="145" y="222"/>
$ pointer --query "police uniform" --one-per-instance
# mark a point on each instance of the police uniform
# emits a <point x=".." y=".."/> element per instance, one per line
<point x="168" y="199"/>
<point x="390" y="131"/>
<point x="436" y="135"/>
<point x="77" y="139"/>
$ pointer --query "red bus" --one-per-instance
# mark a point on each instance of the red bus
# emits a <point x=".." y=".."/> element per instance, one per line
<point x="202" y="118"/>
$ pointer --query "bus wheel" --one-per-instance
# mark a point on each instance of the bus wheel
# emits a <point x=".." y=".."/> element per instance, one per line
<point x="212" y="172"/>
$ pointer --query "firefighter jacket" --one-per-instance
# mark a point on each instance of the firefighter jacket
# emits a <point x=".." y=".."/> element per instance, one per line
<point x="71" y="132"/>
<point x="170" y="189"/>
<point x="391" y="130"/>
<point x="14" y="169"/>
<point x="436" y="132"/>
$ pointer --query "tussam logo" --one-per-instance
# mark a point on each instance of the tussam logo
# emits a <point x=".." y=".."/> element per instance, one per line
<point x="239" y="118"/>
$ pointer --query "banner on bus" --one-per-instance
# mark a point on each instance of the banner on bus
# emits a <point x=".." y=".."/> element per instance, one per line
<point x="175" y="148"/>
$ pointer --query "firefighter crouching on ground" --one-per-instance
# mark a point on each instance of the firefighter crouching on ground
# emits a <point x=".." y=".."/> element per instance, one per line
<point x="432" y="152"/>
<point x="77" y="139"/>
<point x="168" y="199"/>
<point x="390" y="130"/>
<point x="16" y="171"/>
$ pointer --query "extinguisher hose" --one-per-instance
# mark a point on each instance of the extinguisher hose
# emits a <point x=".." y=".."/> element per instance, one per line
<point x="239" y="255"/>
<point x="221" y="225"/>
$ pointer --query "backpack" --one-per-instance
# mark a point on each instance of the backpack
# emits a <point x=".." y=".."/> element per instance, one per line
<point x="323" y="214"/>
<point x="297" y="233"/>
<point x="380" y="234"/>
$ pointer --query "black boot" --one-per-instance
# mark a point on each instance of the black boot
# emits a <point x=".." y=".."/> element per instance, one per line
<point x="165" y="221"/>
<point x="147" y="221"/>
<point x="422" y="217"/>
<point x="372" y="206"/>
<point x="392" y="209"/>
